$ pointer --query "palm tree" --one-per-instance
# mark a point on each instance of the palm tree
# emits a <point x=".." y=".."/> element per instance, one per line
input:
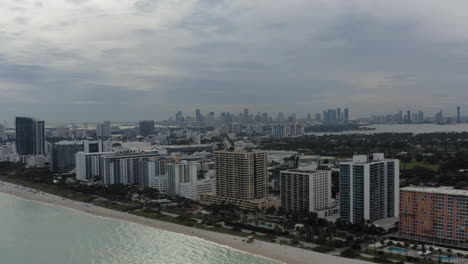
<point x="405" y="245"/>
<point x="449" y="254"/>
<point x="459" y="257"/>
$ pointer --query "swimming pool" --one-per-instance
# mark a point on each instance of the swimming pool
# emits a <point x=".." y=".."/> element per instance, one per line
<point x="447" y="258"/>
<point x="398" y="250"/>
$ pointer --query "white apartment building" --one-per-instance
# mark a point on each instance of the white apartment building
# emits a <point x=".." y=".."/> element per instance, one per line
<point x="287" y="130"/>
<point x="103" y="130"/>
<point x="178" y="173"/>
<point x="126" y="167"/>
<point x="369" y="188"/>
<point x="8" y="153"/>
<point x="153" y="173"/>
<point x="192" y="190"/>
<point x="160" y="183"/>
<point x="88" y="166"/>
<point x="305" y="190"/>
<point x="279" y="130"/>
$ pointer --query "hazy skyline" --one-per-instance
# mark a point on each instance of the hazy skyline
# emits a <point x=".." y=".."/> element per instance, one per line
<point x="95" y="60"/>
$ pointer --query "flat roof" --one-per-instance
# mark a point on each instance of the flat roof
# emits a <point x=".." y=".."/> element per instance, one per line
<point x="436" y="190"/>
<point x="305" y="171"/>
<point x="350" y="161"/>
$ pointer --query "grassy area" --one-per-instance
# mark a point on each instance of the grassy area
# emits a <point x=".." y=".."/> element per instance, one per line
<point x="115" y="206"/>
<point x="413" y="163"/>
<point x="235" y="233"/>
<point x="192" y="223"/>
<point x="62" y="192"/>
<point x="177" y="211"/>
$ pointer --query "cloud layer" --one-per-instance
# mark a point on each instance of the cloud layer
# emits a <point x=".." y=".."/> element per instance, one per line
<point x="91" y="60"/>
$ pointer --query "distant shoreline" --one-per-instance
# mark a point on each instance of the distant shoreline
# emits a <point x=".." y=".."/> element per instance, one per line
<point x="272" y="251"/>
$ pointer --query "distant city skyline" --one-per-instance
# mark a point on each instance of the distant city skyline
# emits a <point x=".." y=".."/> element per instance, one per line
<point x="456" y="113"/>
<point x="128" y="60"/>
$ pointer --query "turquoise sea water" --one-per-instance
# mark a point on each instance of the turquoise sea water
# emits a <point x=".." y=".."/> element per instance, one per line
<point x="38" y="233"/>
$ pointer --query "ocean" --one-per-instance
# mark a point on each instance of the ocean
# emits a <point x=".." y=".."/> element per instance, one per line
<point x="37" y="233"/>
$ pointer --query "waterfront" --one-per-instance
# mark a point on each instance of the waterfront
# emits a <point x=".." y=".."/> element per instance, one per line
<point x="150" y="243"/>
<point x="403" y="128"/>
<point x="38" y="233"/>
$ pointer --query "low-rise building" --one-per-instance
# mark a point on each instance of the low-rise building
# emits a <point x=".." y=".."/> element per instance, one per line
<point x="8" y="153"/>
<point x="193" y="190"/>
<point x="252" y="204"/>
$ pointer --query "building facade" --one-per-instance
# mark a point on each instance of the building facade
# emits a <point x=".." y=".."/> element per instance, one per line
<point x="241" y="179"/>
<point x="62" y="156"/>
<point x="434" y="215"/>
<point x="160" y="183"/>
<point x="88" y="166"/>
<point x="279" y="130"/>
<point x="124" y="167"/>
<point x="103" y="130"/>
<point x="369" y="188"/>
<point x="193" y="190"/>
<point x="295" y="130"/>
<point x="8" y="153"/>
<point x="241" y="174"/>
<point x="305" y="191"/>
<point x="30" y="136"/>
<point x="178" y="173"/>
<point x="146" y="127"/>
<point x="152" y="168"/>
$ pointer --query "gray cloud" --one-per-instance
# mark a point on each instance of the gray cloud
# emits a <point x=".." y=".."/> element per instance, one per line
<point x="146" y="59"/>
<point x="77" y="2"/>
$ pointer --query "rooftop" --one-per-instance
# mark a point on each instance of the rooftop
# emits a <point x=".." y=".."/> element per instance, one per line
<point x="305" y="171"/>
<point x="439" y="190"/>
<point x="241" y="151"/>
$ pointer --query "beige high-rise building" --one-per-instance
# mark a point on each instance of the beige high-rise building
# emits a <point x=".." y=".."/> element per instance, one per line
<point x="241" y="178"/>
<point x="241" y="174"/>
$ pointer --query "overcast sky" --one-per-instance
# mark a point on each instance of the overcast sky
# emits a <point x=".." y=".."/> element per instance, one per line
<point x="77" y="60"/>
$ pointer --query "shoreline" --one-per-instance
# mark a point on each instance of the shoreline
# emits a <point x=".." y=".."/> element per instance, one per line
<point x="275" y="252"/>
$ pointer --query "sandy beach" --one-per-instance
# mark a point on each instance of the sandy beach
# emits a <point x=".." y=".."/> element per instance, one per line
<point x="277" y="252"/>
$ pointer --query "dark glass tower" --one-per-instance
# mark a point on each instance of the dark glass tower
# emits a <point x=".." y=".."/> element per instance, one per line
<point x="30" y="136"/>
<point x="146" y="127"/>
